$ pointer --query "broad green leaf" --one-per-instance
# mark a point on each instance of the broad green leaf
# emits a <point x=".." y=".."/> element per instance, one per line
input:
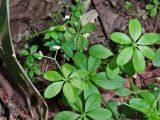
<point x="33" y="49"/>
<point x="93" y="64"/>
<point x="154" y="116"/>
<point x="67" y="49"/>
<point x="53" y="89"/>
<point x="24" y="53"/>
<point x="129" y="69"/>
<point x="91" y="90"/>
<point x="81" y="42"/>
<point x="149" y="38"/>
<point x="111" y="105"/>
<point x="147" y="52"/>
<point x="148" y="97"/>
<point x="77" y="14"/>
<point x="53" y="76"/>
<point x="38" y="56"/>
<point x="100" y="114"/>
<point x="101" y="80"/>
<point x="30" y="60"/>
<point x="70" y="92"/>
<point x="80" y="74"/>
<point x="156" y="61"/>
<point x="79" y="83"/>
<point x="153" y="12"/>
<point x="140" y="105"/>
<point x="155" y="2"/>
<point x="112" y="69"/>
<point x="120" y="38"/>
<point x="68" y="69"/>
<point x="77" y="105"/>
<point x="87" y="28"/>
<point x="80" y="60"/>
<point x="149" y="7"/>
<point x="66" y="115"/>
<point x="138" y="61"/>
<point x="125" y="56"/>
<point x="92" y="102"/>
<point x="135" y="29"/>
<point x="123" y="92"/>
<point x="54" y="35"/>
<point x="99" y="51"/>
<point x="47" y="36"/>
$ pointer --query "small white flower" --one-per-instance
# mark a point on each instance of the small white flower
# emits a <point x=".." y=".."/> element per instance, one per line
<point x="67" y="17"/>
<point x="57" y="47"/>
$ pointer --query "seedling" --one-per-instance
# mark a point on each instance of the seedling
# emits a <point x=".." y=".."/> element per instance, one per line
<point x="136" y="47"/>
<point x="128" y="5"/>
<point x="31" y="55"/>
<point x="153" y="8"/>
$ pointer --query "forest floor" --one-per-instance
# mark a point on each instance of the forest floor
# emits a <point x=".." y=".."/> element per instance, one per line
<point x="30" y="16"/>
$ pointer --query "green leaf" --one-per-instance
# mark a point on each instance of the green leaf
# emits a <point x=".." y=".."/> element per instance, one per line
<point x="66" y="115"/>
<point x="77" y="14"/>
<point x="81" y="42"/>
<point x="80" y="60"/>
<point x="33" y="49"/>
<point x="148" y="97"/>
<point x="67" y="49"/>
<point x="156" y="61"/>
<point x="93" y="64"/>
<point x="92" y="102"/>
<point x="135" y="29"/>
<point x="88" y="28"/>
<point x="125" y="56"/>
<point x="54" y="35"/>
<point x="101" y="80"/>
<point x="24" y="53"/>
<point x="140" y="105"/>
<point x="138" y="61"/>
<point x="31" y="74"/>
<point x="53" y="89"/>
<point x="47" y="36"/>
<point x="100" y="114"/>
<point x="149" y="7"/>
<point x="153" y="12"/>
<point x="149" y="38"/>
<point x="111" y="105"/>
<point x="155" y="2"/>
<point x="80" y="74"/>
<point x="91" y="90"/>
<point x="53" y="76"/>
<point x="77" y="105"/>
<point x="129" y="69"/>
<point x="147" y="52"/>
<point x="68" y="69"/>
<point x="112" y="69"/>
<point x="70" y="92"/>
<point x="120" y="38"/>
<point x="123" y="92"/>
<point x="99" y="51"/>
<point x="79" y="83"/>
<point x="30" y="61"/>
<point x="38" y="56"/>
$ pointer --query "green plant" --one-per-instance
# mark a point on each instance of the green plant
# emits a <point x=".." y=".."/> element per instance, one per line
<point x="153" y="8"/>
<point x="128" y="5"/>
<point x="136" y="47"/>
<point x="31" y="55"/>
<point x="90" y="110"/>
<point x="148" y="104"/>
